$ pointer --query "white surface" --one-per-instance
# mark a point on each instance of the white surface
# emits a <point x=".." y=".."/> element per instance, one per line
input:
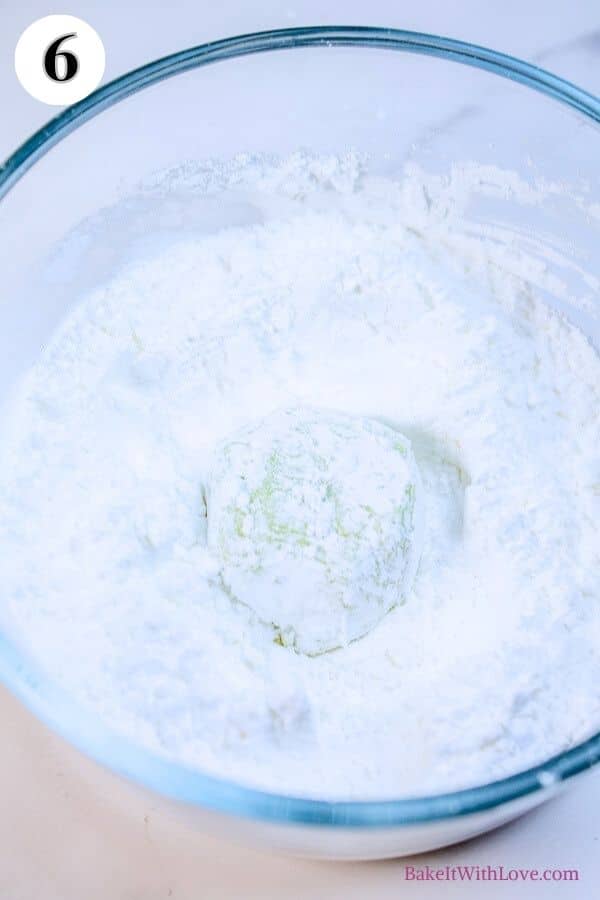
<point x="564" y="38"/>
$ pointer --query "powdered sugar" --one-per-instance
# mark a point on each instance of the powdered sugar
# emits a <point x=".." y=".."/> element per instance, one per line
<point x="344" y="292"/>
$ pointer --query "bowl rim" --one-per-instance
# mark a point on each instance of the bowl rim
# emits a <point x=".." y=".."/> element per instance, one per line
<point x="82" y="729"/>
<point x="57" y="128"/>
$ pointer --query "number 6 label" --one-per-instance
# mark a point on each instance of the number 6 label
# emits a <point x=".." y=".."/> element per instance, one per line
<point x="59" y="60"/>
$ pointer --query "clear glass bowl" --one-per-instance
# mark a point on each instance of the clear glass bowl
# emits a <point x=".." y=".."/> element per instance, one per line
<point x="436" y="103"/>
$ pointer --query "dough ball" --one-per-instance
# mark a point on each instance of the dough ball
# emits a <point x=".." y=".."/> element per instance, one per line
<point x="315" y="518"/>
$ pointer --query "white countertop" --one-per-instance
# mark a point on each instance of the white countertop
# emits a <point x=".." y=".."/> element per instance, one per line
<point x="62" y="834"/>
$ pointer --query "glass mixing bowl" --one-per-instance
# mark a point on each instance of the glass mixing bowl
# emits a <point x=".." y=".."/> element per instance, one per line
<point x="436" y="103"/>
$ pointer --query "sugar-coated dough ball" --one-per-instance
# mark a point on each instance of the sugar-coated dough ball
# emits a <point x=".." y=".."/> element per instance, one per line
<point x="315" y="517"/>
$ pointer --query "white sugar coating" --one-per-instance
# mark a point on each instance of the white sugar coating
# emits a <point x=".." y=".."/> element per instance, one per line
<point x="337" y="289"/>
<point x="314" y="517"/>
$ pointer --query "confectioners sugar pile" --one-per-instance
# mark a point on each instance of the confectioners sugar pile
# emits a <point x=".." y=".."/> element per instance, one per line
<point x="130" y="565"/>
